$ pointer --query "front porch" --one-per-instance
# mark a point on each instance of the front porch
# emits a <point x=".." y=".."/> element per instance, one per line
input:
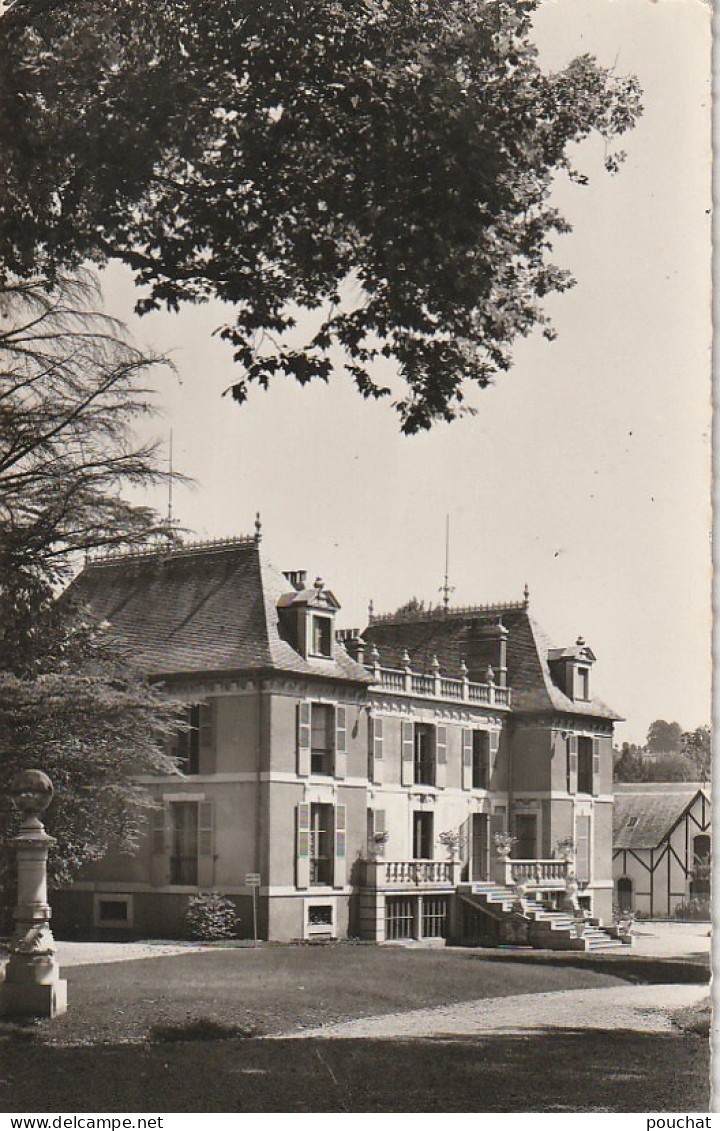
<point x="531" y="902"/>
<point x="414" y="899"/>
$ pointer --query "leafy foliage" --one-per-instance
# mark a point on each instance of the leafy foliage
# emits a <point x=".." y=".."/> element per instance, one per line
<point x="385" y="164"/>
<point x="695" y="909"/>
<point x="664" y="737"/>
<point x="211" y="916"/>
<point x="69" y="397"/>
<point x="84" y="715"/>
<point x="697" y="747"/>
<point x="71" y="703"/>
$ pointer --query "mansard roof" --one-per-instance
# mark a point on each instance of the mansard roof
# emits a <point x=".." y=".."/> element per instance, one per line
<point x="458" y="636"/>
<point x="201" y="608"/>
<point x="644" y="813"/>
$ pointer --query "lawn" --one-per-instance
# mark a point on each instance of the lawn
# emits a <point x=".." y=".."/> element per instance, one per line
<point x="276" y="989"/>
<point x="177" y="1034"/>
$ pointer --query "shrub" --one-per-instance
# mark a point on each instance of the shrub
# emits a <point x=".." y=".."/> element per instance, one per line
<point x="211" y="916"/>
<point x="694" y="909"/>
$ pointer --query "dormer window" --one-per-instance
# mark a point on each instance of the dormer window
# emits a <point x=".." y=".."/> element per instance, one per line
<point x="307" y="620"/>
<point x="321" y="636"/>
<point x="570" y="669"/>
<point x="583" y="683"/>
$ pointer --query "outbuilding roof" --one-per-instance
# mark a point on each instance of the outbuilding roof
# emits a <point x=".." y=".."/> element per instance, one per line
<point x="645" y="813"/>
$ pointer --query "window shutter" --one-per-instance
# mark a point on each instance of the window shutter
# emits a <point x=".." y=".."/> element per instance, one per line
<point x="596" y="765"/>
<point x="303" y="738"/>
<point x="582" y="846"/>
<point x="339" y="872"/>
<point x="207" y="725"/>
<point x="302" y="855"/>
<point x="493" y="747"/>
<point x="157" y="834"/>
<point x="206" y="737"/>
<point x="572" y="763"/>
<point x="378" y="820"/>
<point x="440" y="756"/>
<point x="467" y="759"/>
<point x="375" y="749"/>
<point x="206" y="845"/>
<point x="340" y="742"/>
<point x="408" y="753"/>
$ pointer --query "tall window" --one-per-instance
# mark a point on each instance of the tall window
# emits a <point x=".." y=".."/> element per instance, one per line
<point x="187" y="743"/>
<point x="480" y="759"/>
<point x="321" y="844"/>
<point x="321" y="636"/>
<point x="585" y="765"/>
<point x="184" y="842"/>
<point x="193" y="744"/>
<point x="322" y="738"/>
<point x="424" y="754"/>
<point x="422" y="836"/>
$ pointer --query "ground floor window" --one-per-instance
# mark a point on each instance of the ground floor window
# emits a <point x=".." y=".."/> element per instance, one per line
<point x="321" y="844"/>
<point x="434" y="917"/>
<point x="184" y="842"/>
<point x="399" y="917"/>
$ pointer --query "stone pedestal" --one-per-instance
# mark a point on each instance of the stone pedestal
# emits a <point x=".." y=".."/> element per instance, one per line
<point x="32" y="986"/>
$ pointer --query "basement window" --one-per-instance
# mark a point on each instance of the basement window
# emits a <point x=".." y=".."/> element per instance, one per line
<point x="113" y="910"/>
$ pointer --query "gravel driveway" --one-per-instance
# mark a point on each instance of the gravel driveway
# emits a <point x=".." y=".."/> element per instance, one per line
<point x="640" y="1008"/>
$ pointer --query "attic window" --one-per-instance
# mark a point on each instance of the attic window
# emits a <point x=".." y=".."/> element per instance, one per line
<point x="631" y="822"/>
<point x="321" y="638"/>
<point x="583" y="683"/>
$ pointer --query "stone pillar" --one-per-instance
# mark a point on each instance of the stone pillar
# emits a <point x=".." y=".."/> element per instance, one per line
<point x="32" y="986"/>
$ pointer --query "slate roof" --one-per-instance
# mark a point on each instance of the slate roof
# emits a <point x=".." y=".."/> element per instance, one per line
<point x="645" y="812"/>
<point x="454" y="637"/>
<point x="203" y="608"/>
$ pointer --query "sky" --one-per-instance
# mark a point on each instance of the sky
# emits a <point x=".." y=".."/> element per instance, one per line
<point x="586" y="471"/>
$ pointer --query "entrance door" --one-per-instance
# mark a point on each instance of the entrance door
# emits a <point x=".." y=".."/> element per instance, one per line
<point x="479" y="861"/>
<point x="526" y="833"/>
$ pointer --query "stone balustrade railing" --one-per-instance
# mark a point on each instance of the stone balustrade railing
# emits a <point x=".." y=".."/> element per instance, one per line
<point x="396" y="874"/>
<point x="544" y="873"/>
<point x="435" y="686"/>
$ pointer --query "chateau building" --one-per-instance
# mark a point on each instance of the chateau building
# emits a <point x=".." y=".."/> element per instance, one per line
<point x="368" y="778"/>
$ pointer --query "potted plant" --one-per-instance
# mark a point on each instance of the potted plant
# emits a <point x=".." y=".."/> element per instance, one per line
<point x="504" y="843"/>
<point x="453" y="842"/>
<point x="376" y="847"/>
<point x="565" y="848"/>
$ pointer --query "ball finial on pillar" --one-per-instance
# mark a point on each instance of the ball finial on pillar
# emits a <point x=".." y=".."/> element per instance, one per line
<point x="32" y="986"/>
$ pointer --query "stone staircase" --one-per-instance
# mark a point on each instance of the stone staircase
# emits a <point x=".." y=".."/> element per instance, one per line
<point x="525" y="920"/>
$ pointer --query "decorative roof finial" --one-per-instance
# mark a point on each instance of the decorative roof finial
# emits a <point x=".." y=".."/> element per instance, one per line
<point x="319" y="584"/>
<point x="526" y="595"/>
<point x="258" y="529"/>
<point x="371" y="609"/>
<point x="580" y="642"/>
